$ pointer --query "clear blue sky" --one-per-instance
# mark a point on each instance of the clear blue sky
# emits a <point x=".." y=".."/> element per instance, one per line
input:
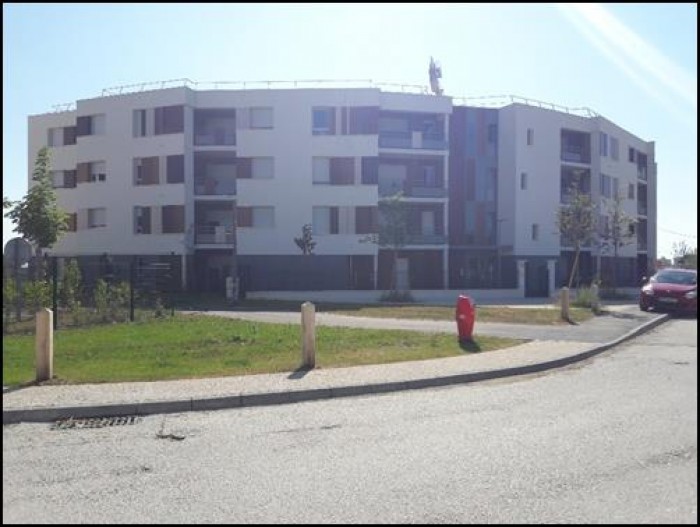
<point x="635" y="64"/>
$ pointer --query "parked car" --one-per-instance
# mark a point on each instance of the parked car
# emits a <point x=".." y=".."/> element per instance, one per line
<point x="671" y="289"/>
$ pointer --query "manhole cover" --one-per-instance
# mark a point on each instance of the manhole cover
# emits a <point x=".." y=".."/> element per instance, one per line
<point x="95" y="422"/>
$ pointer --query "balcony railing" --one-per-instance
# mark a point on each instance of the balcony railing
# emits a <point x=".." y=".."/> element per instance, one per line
<point x="426" y="239"/>
<point x="395" y="140"/>
<point x="213" y="235"/>
<point x="575" y="155"/>
<point x="426" y="192"/>
<point x="215" y="138"/>
<point x="425" y="140"/>
<point x="213" y="186"/>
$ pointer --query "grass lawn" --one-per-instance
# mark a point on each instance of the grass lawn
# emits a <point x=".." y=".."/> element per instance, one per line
<point x="202" y="346"/>
<point x="416" y="311"/>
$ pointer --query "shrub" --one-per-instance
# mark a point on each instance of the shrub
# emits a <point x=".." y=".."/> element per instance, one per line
<point x="37" y="294"/>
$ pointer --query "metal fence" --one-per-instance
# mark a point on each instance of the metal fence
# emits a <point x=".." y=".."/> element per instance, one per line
<point x="88" y="291"/>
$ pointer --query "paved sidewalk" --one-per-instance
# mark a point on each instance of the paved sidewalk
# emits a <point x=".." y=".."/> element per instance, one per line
<point x="47" y="403"/>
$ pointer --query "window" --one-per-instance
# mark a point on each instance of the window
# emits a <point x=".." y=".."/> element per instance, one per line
<point x="72" y="222"/>
<point x="90" y="125"/>
<point x="603" y="144"/>
<point x="173" y="219"/>
<point x="69" y="135"/>
<point x="363" y="120"/>
<point x="142" y="220"/>
<point x="605" y="186"/>
<point x="535" y="231"/>
<point x="321" y="170"/>
<point x="630" y="191"/>
<point x="342" y="170"/>
<point x="323" y="121"/>
<point x="325" y="220"/>
<point x="261" y="117"/>
<point x="98" y="171"/>
<point x="57" y="178"/>
<point x="523" y="181"/>
<point x="631" y="155"/>
<point x="630" y="229"/>
<point x="169" y="120"/>
<point x="615" y="187"/>
<point x="614" y="148"/>
<point x="97" y="218"/>
<point x="139" y="123"/>
<point x="146" y="171"/>
<point x="370" y="170"/>
<point x="175" y="169"/>
<point x="530" y="136"/>
<point x="263" y="167"/>
<point x="263" y="217"/>
<point x="258" y="217"/>
<point x="366" y="220"/>
<point x="429" y="176"/>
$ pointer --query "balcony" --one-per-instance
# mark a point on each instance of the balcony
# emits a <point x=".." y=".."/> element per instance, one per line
<point x="641" y="208"/>
<point x="575" y="155"/>
<point x="213" y="235"/>
<point x="641" y="245"/>
<point x="426" y="192"/>
<point x="219" y="137"/>
<point x="214" y="127"/>
<point x="214" y="186"/>
<point x="642" y="173"/>
<point x="412" y="140"/>
<point x="426" y="239"/>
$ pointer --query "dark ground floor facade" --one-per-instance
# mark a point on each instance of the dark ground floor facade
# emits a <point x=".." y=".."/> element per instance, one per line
<point x="424" y="269"/>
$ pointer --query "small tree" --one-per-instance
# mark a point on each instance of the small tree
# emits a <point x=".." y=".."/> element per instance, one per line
<point x="617" y="233"/>
<point x="576" y="223"/>
<point x="393" y="231"/>
<point x="37" y="217"/>
<point x="306" y="242"/>
<point x="70" y="292"/>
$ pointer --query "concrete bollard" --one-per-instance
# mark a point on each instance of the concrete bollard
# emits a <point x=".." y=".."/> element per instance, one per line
<point x="308" y="335"/>
<point x="565" y="303"/>
<point x="44" y="345"/>
<point x="595" y="302"/>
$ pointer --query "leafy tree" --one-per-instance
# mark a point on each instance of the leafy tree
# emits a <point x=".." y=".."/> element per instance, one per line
<point x="684" y="256"/>
<point x="6" y="203"/>
<point x="306" y="242"/>
<point x="37" y="217"/>
<point x="70" y="292"/>
<point x="576" y="223"/>
<point x="617" y="232"/>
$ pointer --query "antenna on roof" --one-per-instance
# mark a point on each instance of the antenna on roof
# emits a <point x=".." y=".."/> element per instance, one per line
<point x="435" y="73"/>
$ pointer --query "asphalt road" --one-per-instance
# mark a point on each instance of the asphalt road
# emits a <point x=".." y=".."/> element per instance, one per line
<point x="613" y="439"/>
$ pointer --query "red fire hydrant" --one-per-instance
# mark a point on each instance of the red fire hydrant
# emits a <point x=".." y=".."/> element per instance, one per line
<point x="465" y="315"/>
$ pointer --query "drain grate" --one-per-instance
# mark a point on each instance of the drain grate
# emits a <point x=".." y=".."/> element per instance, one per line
<point x="95" y="422"/>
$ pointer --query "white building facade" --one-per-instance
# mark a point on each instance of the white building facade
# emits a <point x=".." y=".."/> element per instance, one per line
<point x="220" y="183"/>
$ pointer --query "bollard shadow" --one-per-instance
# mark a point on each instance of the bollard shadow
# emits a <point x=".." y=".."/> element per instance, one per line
<point x="15" y="387"/>
<point x="469" y="346"/>
<point x="299" y="373"/>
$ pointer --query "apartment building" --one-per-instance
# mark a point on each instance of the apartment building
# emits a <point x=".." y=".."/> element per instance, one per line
<point x="220" y="182"/>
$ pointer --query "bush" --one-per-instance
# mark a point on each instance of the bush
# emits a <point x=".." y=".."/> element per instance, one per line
<point x="37" y="294"/>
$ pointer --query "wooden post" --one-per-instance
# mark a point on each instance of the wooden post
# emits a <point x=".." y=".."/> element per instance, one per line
<point x="44" y="345"/>
<point x="308" y="335"/>
<point x="565" y="303"/>
<point x="596" y="299"/>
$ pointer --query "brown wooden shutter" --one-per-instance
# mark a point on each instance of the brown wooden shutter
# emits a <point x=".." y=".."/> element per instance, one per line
<point x="175" y="167"/>
<point x="173" y="218"/>
<point x="150" y="171"/>
<point x="72" y="222"/>
<point x="244" y="216"/>
<point x="83" y="172"/>
<point x="342" y="170"/>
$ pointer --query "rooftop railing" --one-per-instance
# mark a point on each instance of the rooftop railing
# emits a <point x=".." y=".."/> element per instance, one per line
<point x="497" y="101"/>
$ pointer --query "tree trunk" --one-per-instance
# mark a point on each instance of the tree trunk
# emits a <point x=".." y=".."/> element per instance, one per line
<point x="574" y="267"/>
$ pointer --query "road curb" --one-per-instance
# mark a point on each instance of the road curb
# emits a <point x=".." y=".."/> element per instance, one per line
<point x="275" y="398"/>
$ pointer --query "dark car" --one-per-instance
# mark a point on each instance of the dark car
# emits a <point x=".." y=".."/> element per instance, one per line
<point x="671" y="289"/>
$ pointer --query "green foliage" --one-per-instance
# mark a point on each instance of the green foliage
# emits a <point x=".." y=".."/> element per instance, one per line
<point x="616" y="233"/>
<point x="111" y="301"/>
<point x="576" y="222"/>
<point x="9" y="297"/>
<point x="37" y="217"/>
<point x="37" y="294"/>
<point x="393" y="222"/>
<point x="306" y="242"/>
<point x="70" y="287"/>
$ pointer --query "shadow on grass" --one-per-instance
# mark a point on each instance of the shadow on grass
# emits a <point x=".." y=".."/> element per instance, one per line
<point x="15" y="387"/>
<point x="469" y="346"/>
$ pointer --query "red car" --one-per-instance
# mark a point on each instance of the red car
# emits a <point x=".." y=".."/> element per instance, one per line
<point x="671" y="289"/>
